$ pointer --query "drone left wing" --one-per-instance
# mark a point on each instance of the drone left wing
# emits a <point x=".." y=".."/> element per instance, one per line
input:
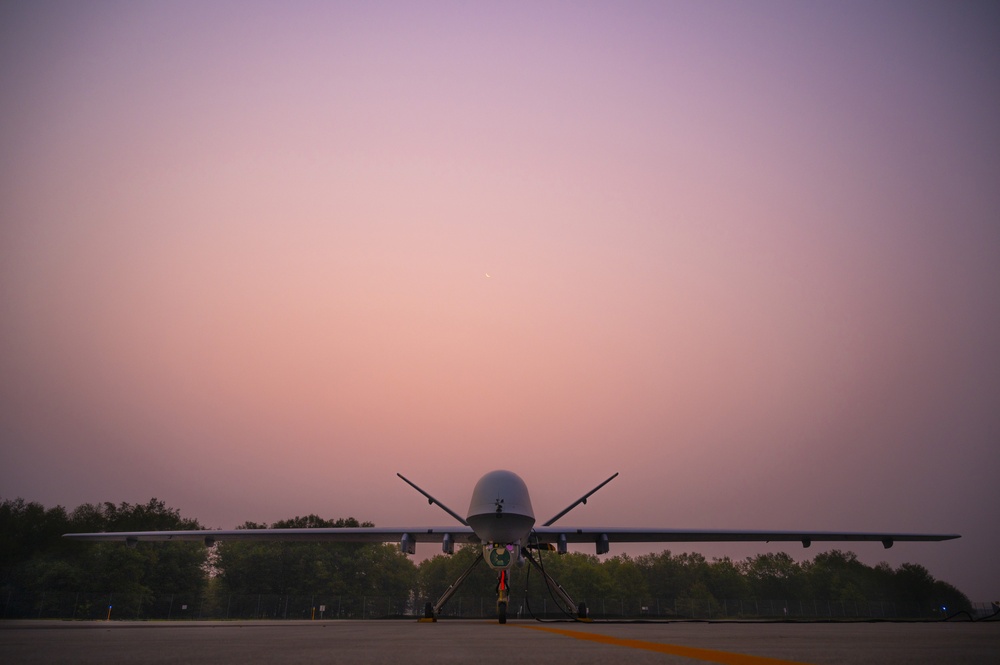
<point x="406" y="537"/>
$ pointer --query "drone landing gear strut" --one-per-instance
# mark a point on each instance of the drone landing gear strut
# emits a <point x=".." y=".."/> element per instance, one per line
<point x="431" y="611"/>
<point x="556" y="588"/>
<point x="503" y="596"/>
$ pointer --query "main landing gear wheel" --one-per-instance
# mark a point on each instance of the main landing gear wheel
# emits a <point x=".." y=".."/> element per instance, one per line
<point x="502" y="612"/>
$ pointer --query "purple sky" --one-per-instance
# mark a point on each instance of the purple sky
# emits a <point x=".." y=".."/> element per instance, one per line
<point x="257" y="258"/>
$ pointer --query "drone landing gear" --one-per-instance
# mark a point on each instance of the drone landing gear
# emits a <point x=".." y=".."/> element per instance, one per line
<point x="501" y="561"/>
<point x="431" y="611"/>
<point x="503" y="596"/>
<point x="570" y="605"/>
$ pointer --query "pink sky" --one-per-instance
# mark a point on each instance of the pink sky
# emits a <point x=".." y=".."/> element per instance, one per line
<point x="745" y="254"/>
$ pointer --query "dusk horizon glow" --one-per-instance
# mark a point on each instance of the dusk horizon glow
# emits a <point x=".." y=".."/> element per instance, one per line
<point x="257" y="259"/>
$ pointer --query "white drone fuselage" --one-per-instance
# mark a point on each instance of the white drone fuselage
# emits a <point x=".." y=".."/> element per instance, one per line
<point x="500" y="513"/>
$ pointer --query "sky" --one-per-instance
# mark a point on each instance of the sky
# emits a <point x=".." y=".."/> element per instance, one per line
<point x="256" y="258"/>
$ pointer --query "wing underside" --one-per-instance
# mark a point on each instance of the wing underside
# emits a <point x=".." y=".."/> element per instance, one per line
<point x="461" y="534"/>
<point x="457" y="534"/>
<point x="626" y="535"/>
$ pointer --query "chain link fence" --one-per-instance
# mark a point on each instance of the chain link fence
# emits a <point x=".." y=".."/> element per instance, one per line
<point x="194" y="607"/>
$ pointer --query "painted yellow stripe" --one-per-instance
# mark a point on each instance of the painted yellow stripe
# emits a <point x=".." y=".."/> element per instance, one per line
<point x="709" y="655"/>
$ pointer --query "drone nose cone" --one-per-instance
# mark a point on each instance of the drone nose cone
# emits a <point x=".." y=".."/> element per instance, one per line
<point x="500" y="510"/>
<point x="501" y="493"/>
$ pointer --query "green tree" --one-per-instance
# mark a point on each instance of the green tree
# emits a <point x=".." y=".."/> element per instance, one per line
<point x="917" y="590"/>
<point x="35" y="556"/>
<point x="347" y="570"/>
<point x="725" y="581"/>
<point x="950" y="598"/>
<point x="690" y="575"/>
<point x="694" y="576"/>
<point x="32" y="551"/>
<point x="146" y="569"/>
<point x="881" y="582"/>
<point x="774" y="575"/>
<point x="837" y="576"/>
<point x="665" y="576"/>
<point x="627" y="579"/>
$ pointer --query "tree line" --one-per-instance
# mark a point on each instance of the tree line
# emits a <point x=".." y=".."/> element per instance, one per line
<point x="35" y="558"/>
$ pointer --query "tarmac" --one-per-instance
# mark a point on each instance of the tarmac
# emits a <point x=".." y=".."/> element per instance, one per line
<point x="485" y="642"/>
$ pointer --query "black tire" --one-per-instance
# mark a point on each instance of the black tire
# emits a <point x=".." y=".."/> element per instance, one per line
<point x="502" y="612"/>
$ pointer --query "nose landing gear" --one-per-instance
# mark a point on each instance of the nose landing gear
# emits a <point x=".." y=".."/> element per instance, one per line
<point x="500" y="558"/>
<point x="503" y="596"/>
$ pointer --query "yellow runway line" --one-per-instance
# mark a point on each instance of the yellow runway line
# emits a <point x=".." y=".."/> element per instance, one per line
<point x="708" y="655"/>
